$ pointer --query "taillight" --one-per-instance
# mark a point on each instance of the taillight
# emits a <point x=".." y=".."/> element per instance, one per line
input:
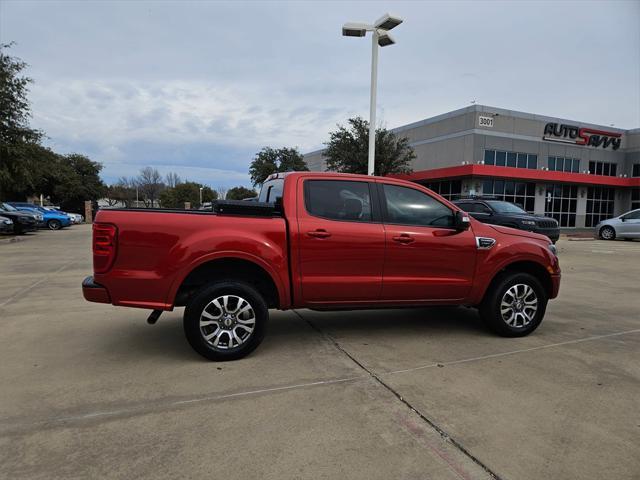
<point x="104" y="246"/>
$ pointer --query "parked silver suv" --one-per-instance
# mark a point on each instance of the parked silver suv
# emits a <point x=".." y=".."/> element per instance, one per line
<point x="625" y="226"/>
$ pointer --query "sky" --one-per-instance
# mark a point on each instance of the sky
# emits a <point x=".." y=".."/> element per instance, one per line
<point x="198" y="88"/>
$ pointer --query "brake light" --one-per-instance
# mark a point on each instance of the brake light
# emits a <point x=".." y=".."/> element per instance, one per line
<point x="104" y="246"/>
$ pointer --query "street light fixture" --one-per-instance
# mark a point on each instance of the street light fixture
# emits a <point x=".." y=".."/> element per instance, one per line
<point x="380" y="37"/>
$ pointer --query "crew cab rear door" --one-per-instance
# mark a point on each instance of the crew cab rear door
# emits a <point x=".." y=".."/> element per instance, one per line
<point x="340" y="241"/>
<point x="426" y="258"/>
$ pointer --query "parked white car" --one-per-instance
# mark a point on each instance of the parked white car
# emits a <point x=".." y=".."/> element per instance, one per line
<point x="75" y="217"/>
<point x="625" y="226"/>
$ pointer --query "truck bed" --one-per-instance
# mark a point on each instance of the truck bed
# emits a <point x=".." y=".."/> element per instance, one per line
<point x="158" y="248"/>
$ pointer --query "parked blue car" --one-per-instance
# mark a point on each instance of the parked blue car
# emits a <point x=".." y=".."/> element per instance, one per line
<point x="53" y="220"/>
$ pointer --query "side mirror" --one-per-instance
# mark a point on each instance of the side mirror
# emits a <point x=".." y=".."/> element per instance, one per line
<point x="461" y="221"/>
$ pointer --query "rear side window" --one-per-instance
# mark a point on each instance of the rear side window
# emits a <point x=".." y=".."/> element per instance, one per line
<point x="406" y="206"/>
<point x="271" y="190"/>
<point x="338" y="200"/>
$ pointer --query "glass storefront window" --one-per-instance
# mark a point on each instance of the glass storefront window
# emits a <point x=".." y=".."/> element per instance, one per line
<point x="603" y="168"/>
<point x="446" y="188"/>
<point x="600" y="205"/>
<point x="635" y="198"/>
<point x="520" y="193"/>
<point x="564" y="164"/>
<point x="561" y="203"/>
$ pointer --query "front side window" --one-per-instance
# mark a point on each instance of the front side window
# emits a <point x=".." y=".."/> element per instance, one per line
<point x="632" y="216"/>
<point x="482" y="208"/>
<point x="338" y="200"/>
<point x="407" y="206"/>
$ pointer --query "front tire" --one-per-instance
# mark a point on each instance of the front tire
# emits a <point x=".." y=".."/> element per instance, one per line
<point x="607" y="233"/>
<point x="54" y="224"/>
<point x="225" y="320"/>
<point x="515" y="305"/>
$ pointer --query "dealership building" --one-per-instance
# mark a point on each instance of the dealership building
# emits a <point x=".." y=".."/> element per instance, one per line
<point x="576" y="172"/>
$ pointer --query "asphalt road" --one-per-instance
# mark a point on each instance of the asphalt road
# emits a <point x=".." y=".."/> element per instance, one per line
<point x="92" y="391"/>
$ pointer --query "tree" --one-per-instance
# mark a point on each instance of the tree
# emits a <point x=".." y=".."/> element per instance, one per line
<point x="150" y="185"/>
<point x="348" y="149"/>
<point x="240" y="193"/>
<point x="16" y="137"/>
<point x="79" y="181"/>
<point x="186" y="192"/>
<point x="173" y="179"/>
<point x="124" y="191"/>
<point x="271" y="160"/>
<point x="221" y="192"/>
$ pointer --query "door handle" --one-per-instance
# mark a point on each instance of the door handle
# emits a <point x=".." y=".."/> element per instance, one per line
<point x="319" y="233"/>
<point x="404" y="238"/>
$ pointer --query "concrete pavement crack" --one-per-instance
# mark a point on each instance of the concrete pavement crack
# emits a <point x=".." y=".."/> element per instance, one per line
<point x="446" y="436"/>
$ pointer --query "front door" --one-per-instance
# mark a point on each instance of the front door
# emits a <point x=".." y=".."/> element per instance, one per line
<point x="426" y="258"/>
<point x="340" y="242"/>
<point x="630" y="227"/>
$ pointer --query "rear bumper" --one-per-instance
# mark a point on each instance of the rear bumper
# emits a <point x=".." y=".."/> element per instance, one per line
<point x="94" y="292"/>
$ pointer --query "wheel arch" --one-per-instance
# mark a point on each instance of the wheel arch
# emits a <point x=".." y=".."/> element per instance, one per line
<point x="531" y="267"/>
<point x="230" y="268"/>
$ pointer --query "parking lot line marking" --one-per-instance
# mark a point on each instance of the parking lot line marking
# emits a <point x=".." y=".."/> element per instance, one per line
<point x="512" y="352"/>
<point x="34" y="285"/>
<point x="150" y="408"/>
<point x="451" y="463"/>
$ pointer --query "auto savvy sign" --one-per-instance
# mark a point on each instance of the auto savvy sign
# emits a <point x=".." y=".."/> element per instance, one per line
<point x="559" y="132"/>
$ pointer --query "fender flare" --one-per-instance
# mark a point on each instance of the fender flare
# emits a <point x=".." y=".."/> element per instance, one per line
<point x="228" y="254"/>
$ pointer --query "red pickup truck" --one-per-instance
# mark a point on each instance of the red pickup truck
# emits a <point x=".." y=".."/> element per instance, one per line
<point x="321" y="241"/>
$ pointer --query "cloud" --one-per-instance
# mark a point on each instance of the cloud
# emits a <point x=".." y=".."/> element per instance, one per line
<point x="204" y="85"/>
<point x="180" y="123"/>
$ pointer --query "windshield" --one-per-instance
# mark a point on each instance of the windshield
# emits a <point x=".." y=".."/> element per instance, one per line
<point x="8" y="208"/>
<point x="505" y="207"/>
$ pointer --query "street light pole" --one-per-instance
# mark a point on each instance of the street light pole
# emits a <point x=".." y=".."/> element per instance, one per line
<point x="200" y="196"/>
<point x="372" y="104"/>
<point x="380" y="37"/>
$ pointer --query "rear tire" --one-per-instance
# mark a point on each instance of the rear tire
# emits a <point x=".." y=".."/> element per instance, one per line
<point x="607" y="233"/>
<point x="514" y="305"/>
<point x="225" y="320"/>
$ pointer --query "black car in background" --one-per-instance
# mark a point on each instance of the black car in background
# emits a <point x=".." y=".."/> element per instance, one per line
<point x="22" y="221"/>
<point x="6" y="225"/>
<point x="498" y="212"/>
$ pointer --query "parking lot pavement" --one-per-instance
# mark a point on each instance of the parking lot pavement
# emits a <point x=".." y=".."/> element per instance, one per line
<point x="91" y="390"/>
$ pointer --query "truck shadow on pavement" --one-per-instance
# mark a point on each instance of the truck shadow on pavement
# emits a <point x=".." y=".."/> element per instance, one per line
<point x="295" y="330"/>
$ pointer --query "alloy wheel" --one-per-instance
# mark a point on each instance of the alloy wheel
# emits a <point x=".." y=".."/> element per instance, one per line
<point x="227" y="322"/>
<point x="519" y="305"/>
<point x="607" y="233"/>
